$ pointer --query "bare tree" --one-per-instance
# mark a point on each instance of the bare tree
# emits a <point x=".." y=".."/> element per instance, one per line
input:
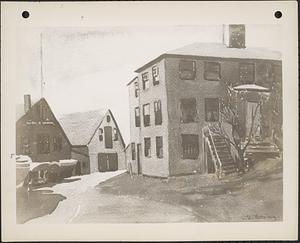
<point x="230" y="118"/>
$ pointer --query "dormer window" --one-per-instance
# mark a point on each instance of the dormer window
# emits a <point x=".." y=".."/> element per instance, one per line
<point x="187" y="69"/>
<point x="155" y="75"/>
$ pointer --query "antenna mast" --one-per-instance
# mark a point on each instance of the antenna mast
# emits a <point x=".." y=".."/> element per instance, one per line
<point x="41" y="56"/>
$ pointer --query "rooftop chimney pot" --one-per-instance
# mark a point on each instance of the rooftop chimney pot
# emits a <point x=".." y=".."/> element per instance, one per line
<point x="27" y="103"/>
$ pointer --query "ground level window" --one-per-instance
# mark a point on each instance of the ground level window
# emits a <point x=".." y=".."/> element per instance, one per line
<point x="43" y="143"/>
<point x="25" y="147"/>
<point x="57" y="143"/>
<point x="147" y="147"/>
<point x="159" y="147"/>
<point x="211" y="109"/>
<point x="190" y="146"/>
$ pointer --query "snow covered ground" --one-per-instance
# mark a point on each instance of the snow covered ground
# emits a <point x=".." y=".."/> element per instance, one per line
<point x="74" y="190"/>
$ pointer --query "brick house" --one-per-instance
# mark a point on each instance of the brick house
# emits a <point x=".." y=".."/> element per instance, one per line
<point x="96" y="140"/>
<point x="39" y="135"/>
<point x="174" y="96"/>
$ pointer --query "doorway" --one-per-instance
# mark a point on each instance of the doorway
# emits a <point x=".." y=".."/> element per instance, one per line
<point x="107" y="162"/>
<point x="139" y="166"/>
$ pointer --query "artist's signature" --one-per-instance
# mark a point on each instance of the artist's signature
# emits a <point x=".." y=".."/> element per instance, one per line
<point x="260" y="217"/>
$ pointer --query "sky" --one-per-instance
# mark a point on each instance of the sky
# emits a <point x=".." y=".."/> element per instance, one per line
<point x="88" y="68"/>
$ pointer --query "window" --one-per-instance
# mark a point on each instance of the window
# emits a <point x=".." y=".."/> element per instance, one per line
<point x="100" y="134"/>
<point x="136" y="89"/>
<point x="145" y="80"/>
<point x="108" y="118"/>
<point x="190" y="146"/>
<point x="57" y="143"/>
<point x="108" y="137"/>
<point x="212" y="71"/>
<point x="159" y="147"/>
<point x="43" y="143"/>
<point x="157" y="112"/>
<point x="247" y="73"/>
<point x="146" y="115"/>
<point x="188" y="110"/>
<point x="211" y="109"/>
<point x="155" y="75"/>
<point x="115" y="134"/>
<point x="187" y="69"/>
<point x="137" y="117"/>
<point x="147" y="147"/>
<point x="25" y="147"/>
<point x="133" y="151"/>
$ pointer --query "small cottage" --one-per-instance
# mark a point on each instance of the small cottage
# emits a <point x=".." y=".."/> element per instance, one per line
<point x="96" y="140"/>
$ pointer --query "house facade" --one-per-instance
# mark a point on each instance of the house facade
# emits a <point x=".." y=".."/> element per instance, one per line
<point x="96" y="140"/>
<point x="39" y="134"/>
<point x="177" y="94"/>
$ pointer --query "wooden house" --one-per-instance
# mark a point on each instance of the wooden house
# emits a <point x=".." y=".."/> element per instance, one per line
<point x="96" y="140"/>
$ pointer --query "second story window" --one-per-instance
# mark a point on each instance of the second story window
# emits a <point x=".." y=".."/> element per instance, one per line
<point x="115" y="134"/>
<point x="136" y="89"/>
<point x="100" y="134"/>
<point x="137" y="117"/>
<point x="155" y="75"/>
<point x="188" y="110"/>
<point x="146" y="115"/>
<point x="212" y="71"/>
<point x="211" y="109"/>
<point x="187" y="69"/>
<point x="57" y="144"/>
<point x="147" y="147"/>
<point x="247" y="73"/>
<point x="145" y="79"/>
<point x="43" y="143"/>
<point x="158" y="112"/>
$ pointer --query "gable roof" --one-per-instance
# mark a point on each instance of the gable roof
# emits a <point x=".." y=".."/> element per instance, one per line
<point x="80" y="126"/>
<point x="22" y="114"/>
<point x="218" y="50"/>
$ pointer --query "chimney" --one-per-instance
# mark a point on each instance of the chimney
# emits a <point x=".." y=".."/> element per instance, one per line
<point x="27" y="103"/>
<point x="234" y="35"/>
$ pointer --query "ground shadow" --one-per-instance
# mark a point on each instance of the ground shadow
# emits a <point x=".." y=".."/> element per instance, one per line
<point x="35" y="204"/>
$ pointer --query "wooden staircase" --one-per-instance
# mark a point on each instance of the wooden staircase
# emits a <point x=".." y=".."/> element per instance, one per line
<point x="226" y="160"/>
<point x="219" y="153"/>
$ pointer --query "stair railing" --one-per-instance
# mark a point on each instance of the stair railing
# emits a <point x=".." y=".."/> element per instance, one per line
<point x="216" y="152"/>
<point x="212" y="156"/>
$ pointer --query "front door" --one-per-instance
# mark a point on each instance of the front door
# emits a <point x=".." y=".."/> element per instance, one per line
<point x="251" y="107"/>
<point x="139" y="166"/>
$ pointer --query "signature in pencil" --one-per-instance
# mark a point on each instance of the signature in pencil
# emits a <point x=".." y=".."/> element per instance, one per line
<point x="260" y="217"/>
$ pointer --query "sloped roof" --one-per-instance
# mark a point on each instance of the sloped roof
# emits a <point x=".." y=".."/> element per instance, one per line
<point x="219" y="50"/>
<point x="20" y="108"/>
<point x="251" y="87"/>
<point x="80" y="126"/>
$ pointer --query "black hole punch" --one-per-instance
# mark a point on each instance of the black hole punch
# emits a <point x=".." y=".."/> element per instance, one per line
<point x="25" y="14"/>
<point x="278" y="14"/>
